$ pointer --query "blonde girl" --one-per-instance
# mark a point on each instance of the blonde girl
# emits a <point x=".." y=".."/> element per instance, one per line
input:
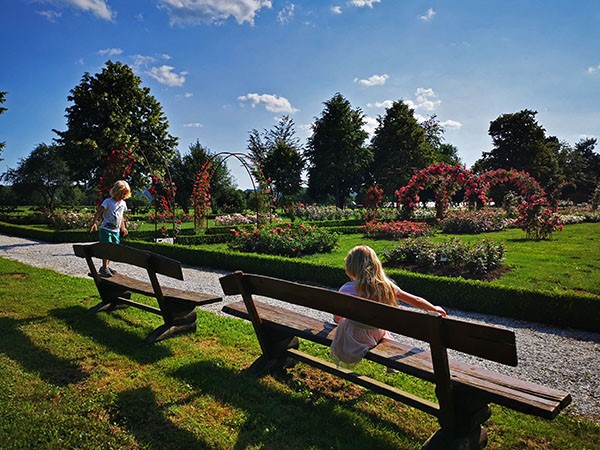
<point x="368" y="280"/>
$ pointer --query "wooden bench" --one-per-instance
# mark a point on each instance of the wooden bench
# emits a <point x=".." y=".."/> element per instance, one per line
<point x="463" y="391"/>
<point x="177" y="307"/>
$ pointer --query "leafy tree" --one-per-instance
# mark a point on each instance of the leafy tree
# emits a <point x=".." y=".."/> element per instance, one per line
<point x="2" y="110"/>
<point x="337" y="154"/>
<point x="111" y="110"/>
<point x="401" y="146"/>
<point x="581" y="166"/>
<point x="44" y="171"/>
<point x="185" y="168"/>
<point x="521" y="143"/>
<point x="278" y="153"/>
<point x="434" y="133"/>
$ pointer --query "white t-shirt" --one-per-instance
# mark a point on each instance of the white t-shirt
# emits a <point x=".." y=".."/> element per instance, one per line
<point x="112" y="217"/>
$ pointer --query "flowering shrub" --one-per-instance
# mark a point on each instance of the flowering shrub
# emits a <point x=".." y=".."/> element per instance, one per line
<point x="234" y="219"/>
<point x="383" y="214"/>
<point x="395" y="230"/>
<point x="314" y="212"/>
<point x="69" y="220"/>
<point x="450" y="258"/>
<point x="373" y="197"/>
<point x="537" y="219"/>
<point x="286" y="239"/>
<point x="473" y="222"/>
<point x="118" y="167"/>
<point x="200" y="198"/>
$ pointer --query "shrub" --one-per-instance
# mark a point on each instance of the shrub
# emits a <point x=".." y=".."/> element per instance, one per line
<point x="450" y="258"/>
<point x="395" y="230"/>
<point x="234" y="219"/>
<point x="314" y="212"/>
<point x="537" y="219"/>
<point x="473" y="222"/>
<point x="286" y="239"/>
<point x="70" y="220"/>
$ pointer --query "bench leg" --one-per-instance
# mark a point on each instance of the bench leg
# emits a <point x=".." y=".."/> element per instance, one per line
<point x="275" y="358"/>
<point x="180" y="323"/>
<point x="110" y="296"/>
<point x="462" y="429"/>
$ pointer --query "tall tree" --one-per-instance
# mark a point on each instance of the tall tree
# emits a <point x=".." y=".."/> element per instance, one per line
<point x="278" y="153"/>
<point x="401" y="146"/>
<point x="44" y="171"/>
<point x="2" y="110"/>
<point x="443" y="151"/>
<point x="337" y="154"/>
<point x="111" y="110"/>
<point x="521" y="143"/>
<point x="581" y="166"/>
<point x="184" y="169"/>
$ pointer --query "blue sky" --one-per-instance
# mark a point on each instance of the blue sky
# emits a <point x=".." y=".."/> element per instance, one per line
<point x="221" y="68"/>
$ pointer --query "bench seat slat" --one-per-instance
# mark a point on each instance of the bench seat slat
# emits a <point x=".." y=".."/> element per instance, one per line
<point x="520" y="395"/>
<point x="169" y="293"/>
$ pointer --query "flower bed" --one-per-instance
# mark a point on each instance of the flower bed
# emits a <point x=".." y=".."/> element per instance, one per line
<point x="395" y="230"/>
<point x="286" y="239"/>
<point x="474" y="222"/>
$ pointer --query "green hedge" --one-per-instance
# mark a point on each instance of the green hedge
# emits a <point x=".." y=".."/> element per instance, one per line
<point x="562" y="309"/>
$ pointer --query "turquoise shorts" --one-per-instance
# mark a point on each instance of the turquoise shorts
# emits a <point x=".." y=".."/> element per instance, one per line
<point x="114" y="237"/>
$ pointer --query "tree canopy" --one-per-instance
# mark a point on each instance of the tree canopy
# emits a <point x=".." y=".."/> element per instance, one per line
<point x="337" y="154"/>
<point x="401" y="146"/>
<point x="111" y="110"/>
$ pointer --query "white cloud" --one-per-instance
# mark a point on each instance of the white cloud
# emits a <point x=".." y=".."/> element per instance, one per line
<point x="50" y="15"/>
<point x="451" y="124"/>
<point x="375" y="80"/>
<point x="370" y="125"/>
<point x="110" y="52"/>
<point x="363" y="3"/>
<point x="272" y="103"/>
<point x="191" y="12"/>
<point x="336" y="9"/>
<point x="286" y="14"/>
<point x="593" y="69"/>
<point x="384" y="104"/>
<point x="98" y="8"/>
<point x="193" y="125"/>
<point x="188" y="95"/>
<point x="426" y="99"/>
<point x="165" y="75"/>
<point x="428" y="15"/>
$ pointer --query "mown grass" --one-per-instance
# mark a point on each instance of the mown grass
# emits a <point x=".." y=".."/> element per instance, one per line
<point x="73" y="380"/>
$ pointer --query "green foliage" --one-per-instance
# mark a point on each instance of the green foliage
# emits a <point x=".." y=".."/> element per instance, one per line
<point x="111" y="110"/>
<point x="69" y="220"/>
<point x="453" y="257"/>
<point x="337" y="154"/>
<point x="395" y="230"/>
<point x="287" y="239"/>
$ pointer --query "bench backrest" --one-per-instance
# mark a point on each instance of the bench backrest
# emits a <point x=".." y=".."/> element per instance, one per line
<point x="489" y="342"/>
<point x="129" y="255"/>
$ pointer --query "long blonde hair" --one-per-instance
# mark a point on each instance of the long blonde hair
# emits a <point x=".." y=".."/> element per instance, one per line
<point x="365" y="269"/>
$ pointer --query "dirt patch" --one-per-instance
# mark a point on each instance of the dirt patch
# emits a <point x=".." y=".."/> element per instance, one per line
<point x="14" y="275"/>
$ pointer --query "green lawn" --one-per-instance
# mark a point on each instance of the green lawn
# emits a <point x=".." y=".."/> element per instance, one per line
<point x="71" y="380"/>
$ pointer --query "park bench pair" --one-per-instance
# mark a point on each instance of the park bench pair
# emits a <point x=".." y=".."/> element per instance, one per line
<point x="464" y="391"/>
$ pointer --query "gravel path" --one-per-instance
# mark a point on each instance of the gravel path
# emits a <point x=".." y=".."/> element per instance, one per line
<point x="541" y="348"/>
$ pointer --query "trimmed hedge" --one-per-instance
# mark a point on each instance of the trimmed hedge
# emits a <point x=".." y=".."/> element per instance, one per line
<point x="562" y="309"/>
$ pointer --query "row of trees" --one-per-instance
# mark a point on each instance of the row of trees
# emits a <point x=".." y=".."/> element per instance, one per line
<point x="111" y="110"/>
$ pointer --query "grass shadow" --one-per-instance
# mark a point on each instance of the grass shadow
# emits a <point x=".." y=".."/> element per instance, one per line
<point x="138" y="411"/>
<point x="117" y="339"/>
<point x="19" y="347"/>
<point x="278" y="419"/>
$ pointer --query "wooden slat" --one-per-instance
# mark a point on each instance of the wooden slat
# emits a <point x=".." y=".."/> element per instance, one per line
<point x="504" y="390"/>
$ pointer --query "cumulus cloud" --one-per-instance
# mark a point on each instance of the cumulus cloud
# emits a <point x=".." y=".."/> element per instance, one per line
<point x="110" y="52"/>
<point x="593" y="69"/>
<point x="51" y="16"/>
<point x="375" y="80"/>
<point x="384" y="104"/>
<point x="286" y="14"/>
<point x="272" y="103"/>
<point x="98" y="8"/>
<point x="363" y="3"/>
<point x="426" y="99"/>
<point x="451" y="124"/>
<point x="370" y="125"/>
<point x="166" y="75"/>
<point x="193" y="125"/>
<point x="192" y="12"/>
<point x="428" y="15"/>
<point x="336" y="9"/>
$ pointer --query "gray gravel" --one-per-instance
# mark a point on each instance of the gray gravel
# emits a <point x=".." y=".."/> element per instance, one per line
<point x="542" y="349"/>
